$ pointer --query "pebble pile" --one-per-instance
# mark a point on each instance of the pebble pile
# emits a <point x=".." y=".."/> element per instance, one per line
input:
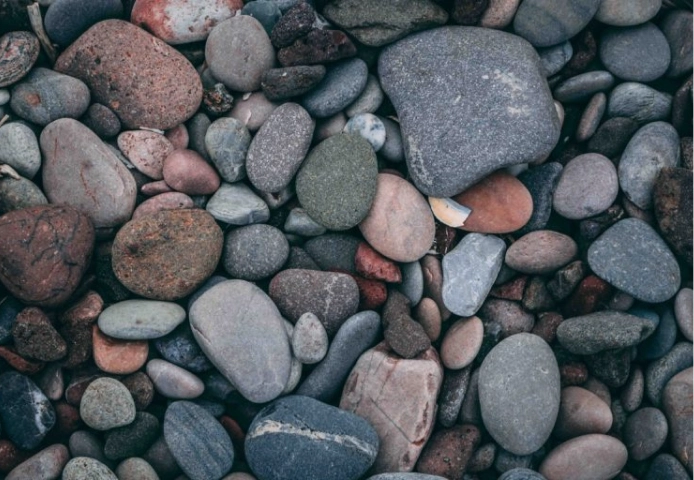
<point x="346" y="240"/>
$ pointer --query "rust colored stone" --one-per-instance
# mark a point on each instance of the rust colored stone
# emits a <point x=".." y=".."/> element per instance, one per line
<point x="374" y="266"/>
<point x="319" y="46"/>
<point x="546" y="326"/>
<point x="236" y="433"/>
<point x="592" y="294"/>
<point x="118" y="356"/>
<point x="22" y="365"/>
<point x="10" y="456"/>
<point x="573" y="373"/>
<point x="449" y="450"/>
<point x="512" y="290"/>
<point x="141" y="388"/>
<point x="34" y="336"/>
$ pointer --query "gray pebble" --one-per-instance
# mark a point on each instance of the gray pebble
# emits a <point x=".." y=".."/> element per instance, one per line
<point x="549" y="22"/>
<point x="369" y="100"/>
<point x="554" y="58"/>
<point x="541" y="181"/>
<point x="135" y="468"/>
<point x="107" y="404"/>
<point x="583" y="86"/>
<point x="591" y="118"/>
<point x="172" y="381"/>
<point x="600" y="331"/>
<point x="673" y="25"/>
<point x="666" y="466"/>
<point x="632" y="392"/>
<point x="334" y="251"/>
<point x="683" y="312"/>
<point x="254" y="252"/>
<point x="588" y="186"/>
<point x="659" y="372"/>
<point x="369" y="127"/>
<point x="412" y="285"/>
<point x="612" y="136"/>
<point x="236" y="204"/>
<point x="84" y="443"/>
<point x="197" y="130"/>
<point x="102" y="120"/>
<point x="453" y="391"/>
<point x="309" y="339"/>
<point x="662" y="339"/>
<point x="392" y="149"/>
<point x="645" y="431"/>
<point x="19" y="193"/>
<point x="638" y="102"/>
<point x="19" y="148"/>
<point x="265" y="11"/>
<point x="226" y="142"/>
<point x="624" y="13"/>
<point x="300" y="223"/>
<point x="252" y="110"/>
<point x="342" y="85"/>
<point x="140" y="319"/>
<point x="638" y="54"/>
<point x="4" y="96"/>
<point x="521" y="474"/>
<point x="84" y="468"/>
<point x="327" y="127"/>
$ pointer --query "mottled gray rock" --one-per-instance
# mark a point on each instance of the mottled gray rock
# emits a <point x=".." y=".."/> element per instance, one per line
<point x="300" y="223"/>
<point x="645" y="431"/>
<point x="638" y="102"/>
<point x="652" y="148"/>
<point x="342" y="84"/>
<point x="369" y="127"/>
<point x="236" y="204"/>
<point x="19" y="148"/>
<point x="541" y="181"/>
<point x="623" y="13"/>
<point x="588" y="186"/>
<point x="463" y="291"/>
<point x="612" y="136"/>
<point x="309" y="339"/>
<point x="659" y="372"/>
<point x="672" y="25"/>
<point x="254" y="252"/>
<point x="632" y="257"/>
<point x="412" y="285"/>
<point x="369" y="100"/>
<point x="581" y="87"/>
<point x="683" y="312"/>
<point x="392" y="149"/>
<point x="599" y="331"/>
<point x="666" y="466"/>
<point x="638" y="54"/>
<point x="140" y="319"/>
<point x="84" y="468"/>
<point x="519" y="393"/>
<point x="430" y="78"/>
<point x="554" y="58"/>
<point x="18" y="193"/>
<point x="226" y="142"/>
<point x="334" y="251"/>
<point x="288" y="82"/>
<point x="549" y="22"/>
<point x="107" y="404"/>
<point x="242" y="333"/>
<point x="26" y="414"/>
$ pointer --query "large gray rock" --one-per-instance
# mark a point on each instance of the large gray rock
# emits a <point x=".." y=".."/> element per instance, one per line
<point x="601" y="331"/>
<point x="519" y="391"/>
<point x="438" y="79"/>
<point x="242" y="333"/>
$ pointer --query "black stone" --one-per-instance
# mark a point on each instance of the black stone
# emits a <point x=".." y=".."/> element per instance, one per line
<point x="540" y="182"/>
<point x="68" y="19"/>
<point x="9" y="308"/>
<point x="180" y="348"/>
<point x="132" y="440"/>
<point x="26" y="413"/>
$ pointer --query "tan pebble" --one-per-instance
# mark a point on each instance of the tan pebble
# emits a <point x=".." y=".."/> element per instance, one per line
<point x="462" y="343"/>
<point x="428" y="315"/>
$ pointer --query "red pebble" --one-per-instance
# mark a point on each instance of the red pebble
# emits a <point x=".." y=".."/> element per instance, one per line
<point x="512" y="290"/>
<point x="592" y="294"/>
<point x="374" y="266"/>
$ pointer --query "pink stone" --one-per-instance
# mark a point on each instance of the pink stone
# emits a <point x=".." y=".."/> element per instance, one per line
<point x="398" y="398"/>
<point x="146" y="150"/>
<point x="178" y="136"/>
<point x="163" y="201"/>
<point x="581" y="412"/>
<point x="155" y="188"/>
<point x="187" y="172"/>
<point x="462" y="343"/>
<point x="594" y="457"/>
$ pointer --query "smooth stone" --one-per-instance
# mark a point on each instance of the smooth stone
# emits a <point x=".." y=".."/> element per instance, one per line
<point x="369" y="127"/>
<point x="19" y="148"/>
<point x="140" y="319"/>
<point x="238" y="51"/>
<point x="666" y="466"/>
<point x="638" y="54"/>
<point x="163" y="201"/>
<point x="84" y="468"/>
<point x="167" y="255"/>
<point x="334" y="251"/>
<point x="400" y="224"/>
<point x="591" y="118"/>
<point x="135" y="468"/>
<point x="373" y="266"/>
<point x="463" y="293"/>
<point x="180" y="348"/>
<point x="107" y="404"/>
<point x="265" y="11"/>
<point x="133" y="439"/>
<point x="279" y="148"/>
<point x="509" y="80"/>
<point x="554" y="58"/>
<point x="645" y="431"/>
<point x="600" y="331"/>
<point x="588" y="186"/>
<point x="583" y="86"/>
<point x="297" y="22"/>
<point x="327" y="127"/>
<point x="257" y="365"/>
<point x="621" y="13"/>
<point x="405" y="476"/>
<point x="4" y="96"/>
<point x="252" y="110"/>
<point x="300" y="223"/>
<point x="540" y="252"/>
<point x="521" y="473"/>
<point x="172" y="381"/>
<point x="190" y="428"/>
<point x="378" y="25"/>
<point x="337" y="182"/>
<point x="412" y="285"/>
<point x="401" y="411"/>
<point x="632" y="257"/>
<point x="638" y="102"/>
<point x="146" y="151"/>
<point x="672" y="25"/>
<point x="632" y="393"/>
<point x="549" y="22"/>
<point x="593" y="456"/>
<point x="66" y="20"/>
<point x="332" y="297"/>
<point x="26" y="414"/>
<point x="236" y="204"/>
<point x="227" y="141"/>
<point x="519" y="408"/>
<point x="393" y="149"/>
<point x="341" y="86"/>
<point x="283" y="83"/>
<point x="160" y="457"/>
<point x="461" y="343"/>
<point x="330" y="443"/>
<point x="102" y="121"/>
<point x="662" y="339"/>
<point x="254" y="252"/>
<point x="309" y="339"/>
<point x="683" y="312"/>
<point x="677" y="397"/>
<point x="449" y="451"/>
<point x="107" y="194"/>
<point x="20" y="51"/>
<point x="44" y="465"/>
<point x="187" y="172"/>
<point x="612" y="136"/>
<point x="181" y="21"/>
<point x="428" y="315"/>
<point x="140" y="97"/>
<point x="84" y="443"/>
<point x="369" y="100"/>
<point x="455" y="388"/>
<point x="119" y="357"/>
<point x="581" y="412"/>
<point x="660" y="371"/>
<point x="672" y="195"/>
<point x="541" y="181"/>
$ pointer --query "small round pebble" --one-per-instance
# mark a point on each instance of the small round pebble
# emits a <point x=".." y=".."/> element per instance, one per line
<point x="683" y="312"/>
<point x="84" y="468"/>
<point x="637" y="54"/>
<point x="309" y="339"/>
<point x="172" y="381"/>
<point x="369" y="127"/>
<point x="135" y="468"/>
<point x="588" y="186"/>
<point x="254" y="252"/>
<point x="107" y="404"/>
<point x="19" y="148"/>
<point x="624" y="13"/>
<point x="227" y="141"/>
<point x="369" y="100"/>
<point x="638" y="102"/>
<point x="645" y="431"/>
<point x="462" y="342"/>
<point x="187" y="172"/>
<point x="343" y="83"/>
<point x="541" y="252"/>
<point x="252" y="110"/>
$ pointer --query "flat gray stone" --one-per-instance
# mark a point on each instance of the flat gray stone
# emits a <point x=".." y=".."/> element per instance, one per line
<point x="19" y="148"/>
<point x="582" y="87"/>
<point x="632" y="257"/>
<point x="637" y="54"/>
<point x="638" y="102"/>
<point x="236" y="204"/>
<point x="554" y="58"/>
<point x="672" y="26"/>
<point x="659" y="372"/>
<point x="549" y="22"/>
<point x="624" y="13"/>
<point x="254" y="252"/>
<point x="140" y="319"/>
<point x="600" y="331"/>
<point x="342" y="84"/>
<point x="107" y="404"/>
<point x="226" y="142"/>
<point x="438" y="78"/>
<point x="588" y="186"/>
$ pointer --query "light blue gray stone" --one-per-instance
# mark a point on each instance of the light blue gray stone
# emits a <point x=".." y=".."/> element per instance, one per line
<point x="549" y="22"/>
<point x="583" y="86"/>
<point x="236" y="204"/>
<point x="140" y="319"/>
<point x="412" y="285"/>
<point x="638" y="102"/>
<point x="392" y="149"/>
<point x="226" y="142"/>
<point x="19" y="148"/>
<point x="300" y="223"/>
<point x="638" y="54"/>
<point x="342" y="85"/>
<point x="621" y="13"/>
<point x="554" y="58"/>
<point x="660" y="371"/>
<point x="369" y="100"/>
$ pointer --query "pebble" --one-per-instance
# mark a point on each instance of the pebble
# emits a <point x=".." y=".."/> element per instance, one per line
<point x="172" y="381"/>
<point x="300" y="223"/>
<point x="358" y="333"/>
<point x="140" y="319"/>
<point x="370" y="99"/>
<point x="163" y="201"/>
<point x="326" y="437"/>
<point x="662" y="339"/>
<point x="520" y="473"/>
<point x="227" y="141"/>
<point x="519" y="407"/>
<point x="588" y="186"/>
<point x="44" y="465"/>
<point x="294" y="24"/>
<point x="660" y="371"/>
<point x="378" y="25"/>
<point x="279" y="148"/>
<point x="238" y="51"/>
<point x="672" y="24"/>
<point x="591" y="118"/>
<point x="541" y="252"/>
<point x="342" y="85"/>
<point x="254" y="252"/>
<point x="546" y="22"/>
<point x="35" y="337"/>
<point x="612" y="136"/>
<point x="107" y="404"/>
<point x="632" y="257"/>
<point x="135" y="468"/>
<point x="106" y="195"/>
<point x="187" y="172"/>
<point x="638" y="102"/>
<point x="132" y="440"/>
<point x="400" y="224"/>
<point x="84" y="468"/>
<point x="26" y="414"/>
<point x="318" y="46"/>
<point x="600" y="331"/>
<point x="369" y="127"/>
<point x="463" y="293"/>
<point x="392" y="149"/>
<point x="624" y="14"/>
<point x="632" y="393"/>
<point x="101" y="120"/>
<point x="449" y="451"/>
<point x="581" y="412"/>
<point x="541" y="181"/>
<point x="167" y="255"/>
<point x="146" y="151"/>
<point x="334" y="251"/>
<point x="236" y="204"/>
<point x="401" y="412"/>
<point x="671" y="201"/>
<point x="20" y="52"/>
<point x="180" y="348"/>
<point x="265" y="11"/>
<point x="283" y="83"/>
<point x="683" y="312"/>
<point x="180" y="22"/>
<point x="337" y="182"/>
<point x="332" y="297"/>
<point x="666" y="466"/>
<point x="160" y="457"/>
<point x="637" y="54"/>
<point x="676" y="403"/>
<point x="645" y="431"/>
<point x="433" y="118"/>
<point x="66" y="20"/>
<point x="461" y="343"/>
<point x="583" y="86"/>
<point x="372" y="265"/>
<point x="309" y="339"/>
<point x="253" y="110"/>
<point x="594" y="456"/>
<point x="554" y="58"/>
<point x="19" y="149"/>
<point x="401" y="333"/>
<point x="4" y="96"/>
<point x="257" y="365"/>
<point x="140" y="97"/>
<point x="27" y="273"/>
<point x="118" y="357"/>
<point x="405" y="476"/>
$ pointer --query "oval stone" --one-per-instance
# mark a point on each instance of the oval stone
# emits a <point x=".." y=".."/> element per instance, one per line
<point x="581" y="412"/>
<point x="519" y="393"/>
<point x="588" y="457"/>
<point x="588" y="186"/>
<point x="624" y="13"/>
<point x="639" y="54"/>
<point x="167" y="255"/>
<point x="20" y="50"/>
<point x="548" y="22"/>
<point x="186" y="171"/>
<point x="85" y="468"/>
<point x="19" y="148"/>
<point x="107" y="404"/>
<point x="462" y="342"/>
<point x="120" y="357"/>
<point x="111" y="57"/>
<point x="172" y="381"/>
<point x="146" y="150"/>
<point x="66" y="20"/>
<point x="26" y="414"/>
<point x="45" y="465"/>
<point x="81" y="171"/>
<point x="242" y="333"/>
<point x="540" y="252"/>
<point x="140" y="319"/>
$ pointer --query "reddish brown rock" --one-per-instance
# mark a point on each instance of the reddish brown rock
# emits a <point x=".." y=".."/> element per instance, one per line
<point x="319" y="46"/>
<point x="374" y="266"/>
<point x="67" y="419"/>
<point x="677" y="405"/>
<point x="500" y="203"/>
<point x="22" y="365"/>
<point x="581" y="412"/>
<point x="433" y="283"/>
<point x="372" y="293"/>
<point x="672" y="202"/>
<point x="163" y="201"/>
<point x="85" y="311"/>
<point x="146" y="150"/>
<point x="10" y="456"/>
<point x="178" y="136"/>
<point x="34" y="336"/>
<point x="155" y="188"/>
<point x="76" y="328"/>
<point x="398" y="398"/>
<point x="429" y="317"/>
<point x="594" y="456"/>
<point x="541" y="252"/>
<point x="44" y="251"/>
<point x="449" y="450"/>
<point x="187" y="172"/>
<point x="573" y="373"/>
<point x="592" y="294"/>
<point x="167" y="255"/>
<point x="118" y="356"/>
<point x="546" y="326"/>
<point x="141" y="388"/>
<point x="512" y="290"/>
<point x="18" y="53"/>
<point x="294" y="24"/>
<point x="142" y="79"/>
<point x="462" y="343"/>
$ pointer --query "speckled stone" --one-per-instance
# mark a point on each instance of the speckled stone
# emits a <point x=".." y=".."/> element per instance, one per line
<point x="638" y="54"/>
<point x="236" y="204"/>
<point x="84" y="468"/>
<point x="660" y="371"/>
<point x="622" y="14"/>
<point x="16" y="194"/>
<point x="638" y="102"/>
<point x="254" y="252"/>
<point x="369" y="127"/>
<point x="602" y="331"/>
<point x="541" y="252"/>
<point x="283" y="83"/>
<point x="341" y="85"/>
<point x="588" y="186"/>
<point x="107" y="404"/>
<point x="19" y="148"/>
<point x="548" y="22"/>
<point x="227" y="141"/>
<point x="20" y="52"/>
<point x="581" y="87"/>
